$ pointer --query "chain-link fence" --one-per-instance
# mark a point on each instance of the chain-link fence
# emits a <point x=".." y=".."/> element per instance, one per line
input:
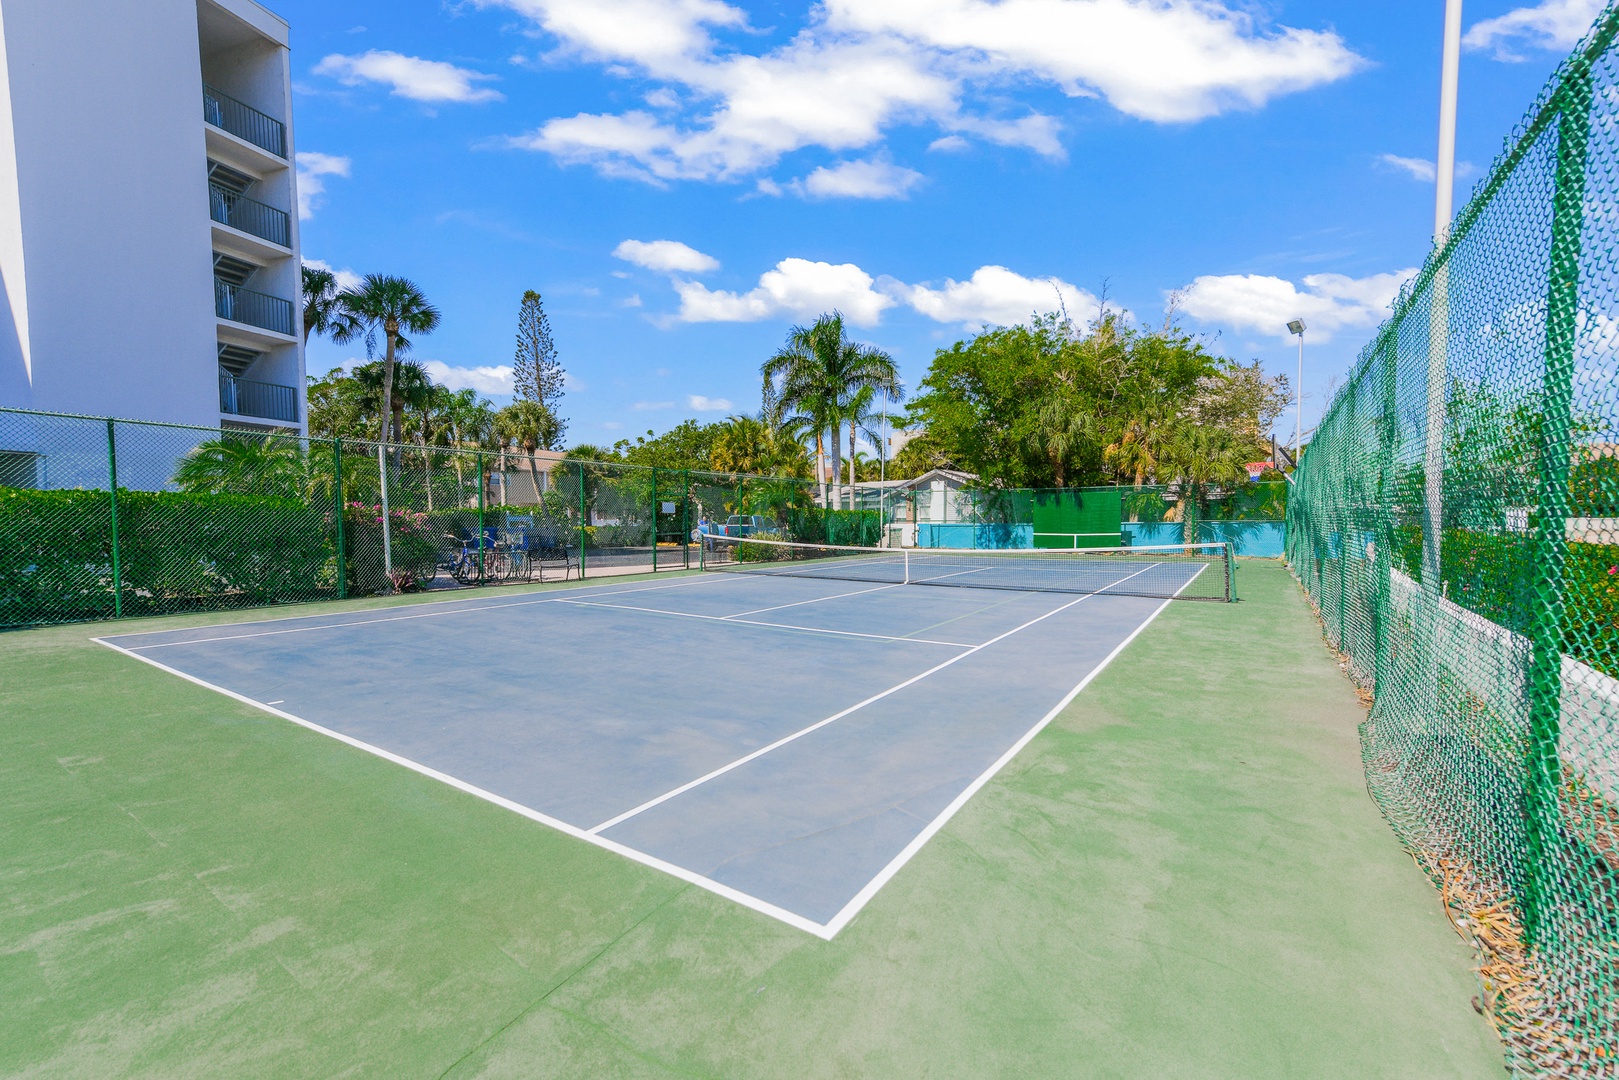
<point x="1456" y="522"/>
<point x="105" y="518"/>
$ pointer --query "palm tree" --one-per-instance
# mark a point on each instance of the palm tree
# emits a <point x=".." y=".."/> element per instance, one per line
<point x="530" y="425"/>
<point x="752" y="444"/>
<point x="1061" y="426"/>
<point x="1197" y="456"/>
<point x="863" y="420"/>
<point x="324" y="313"/>
<point x="243" y="465"/>
<point x="412" y="389"/>
<point x="815" y="375"/>
<point x="395" y="306"/>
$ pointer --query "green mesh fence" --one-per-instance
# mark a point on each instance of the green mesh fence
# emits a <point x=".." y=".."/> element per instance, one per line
<point x="108" y="518"/>
<point x="1456" y="523"/>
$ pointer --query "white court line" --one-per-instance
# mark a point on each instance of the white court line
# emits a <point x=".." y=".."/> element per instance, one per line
<point x="817" y="600"/>
<point x="544" y="599"/>
<point x="872" y="887"/>
<point x="764" y="907"/>
<point x="733" y="620"/>
<point x="784" y="740"/>
<point x="825" y="932"/>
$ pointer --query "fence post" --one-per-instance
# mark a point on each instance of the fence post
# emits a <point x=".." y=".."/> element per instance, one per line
<point x="685" y="520"/>
<point x="337" y="499"/>
<point x="654" y="519"/>
<point x="112" y="490"/>
<point x="1543" y="768"/>
<point x="481" y="488"/>
<point x="1387" y="536"/>
<point x="584" y="520"/>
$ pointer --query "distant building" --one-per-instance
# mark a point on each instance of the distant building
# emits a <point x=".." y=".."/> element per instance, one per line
<point x="148" y="212"/>
<point x="898" y="439"/>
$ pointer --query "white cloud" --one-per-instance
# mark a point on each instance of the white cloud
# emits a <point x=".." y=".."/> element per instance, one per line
<point x="859" y="180"/>
<point x="699" y="403"/>
<point x="950" y="143"/>
<point x="1162" y="61"/>
<point x="1421" y="168"/>
<point x="313" y="167"/>
<point x="346" y="278"/>
<point x="1550" y="24"/>
<point x="861" y="67"/>
<point x="1327" y="303"/>
<point x="485" y="380"/>
<point x="796" y="288"/>
<point x="430" y="81"/>
<point x="631" y="301"/>
<point x="667" y="256"/>
<point x="652" y="406"/>
<point x="994" y="296"/>
<point x="1418" y="168"/>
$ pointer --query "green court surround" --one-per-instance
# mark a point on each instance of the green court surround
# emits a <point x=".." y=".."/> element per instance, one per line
<point x="1182" y="876"/>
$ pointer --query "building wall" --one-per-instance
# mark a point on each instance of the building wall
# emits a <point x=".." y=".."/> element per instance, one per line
<point x="106" y="250"/>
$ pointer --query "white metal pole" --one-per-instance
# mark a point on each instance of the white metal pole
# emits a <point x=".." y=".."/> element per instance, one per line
<point x="882" y="476"/>
<point x="1298" y="423"/>
<point x="387" y="545"/>
<point x="1439" y="306"/>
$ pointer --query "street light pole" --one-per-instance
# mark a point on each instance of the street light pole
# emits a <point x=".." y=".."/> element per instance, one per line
<point x="1297" y="327"/>
<point x="1433" y="463"/>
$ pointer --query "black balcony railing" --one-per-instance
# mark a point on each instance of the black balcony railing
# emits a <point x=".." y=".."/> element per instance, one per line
<point x="253" y="308"/>
<point x="244" y="121"/>
<point x="243" y="397"/>
<point x="249" y="215"/>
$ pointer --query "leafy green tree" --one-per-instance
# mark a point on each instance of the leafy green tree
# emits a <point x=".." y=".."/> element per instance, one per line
<point x="814" y="376"/>
<point x="687" y="445"/>
<point x="395" y="306"/>
<point x="341" y="407"/>
<point x="324" y="312"/>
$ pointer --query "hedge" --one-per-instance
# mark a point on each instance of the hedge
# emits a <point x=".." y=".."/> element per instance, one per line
<point x="177" y="552"/>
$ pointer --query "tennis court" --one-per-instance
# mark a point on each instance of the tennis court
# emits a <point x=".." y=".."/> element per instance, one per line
<point x="787" y="736"/>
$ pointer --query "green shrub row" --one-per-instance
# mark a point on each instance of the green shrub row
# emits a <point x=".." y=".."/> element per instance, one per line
<point x="1492" y="574"/>
<point x="177" y="552"/>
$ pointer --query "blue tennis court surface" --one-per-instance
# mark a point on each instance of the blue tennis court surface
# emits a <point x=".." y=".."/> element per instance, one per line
<point x="787" y="742"/>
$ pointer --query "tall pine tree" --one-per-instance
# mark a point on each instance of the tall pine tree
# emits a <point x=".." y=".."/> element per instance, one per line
<point x="536" y="374"/>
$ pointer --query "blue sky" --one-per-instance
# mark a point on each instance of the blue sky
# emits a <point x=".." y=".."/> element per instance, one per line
<point x="685" y="179"/>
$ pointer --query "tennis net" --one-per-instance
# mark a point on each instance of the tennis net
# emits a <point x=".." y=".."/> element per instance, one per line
<point x="1185" y="571"/>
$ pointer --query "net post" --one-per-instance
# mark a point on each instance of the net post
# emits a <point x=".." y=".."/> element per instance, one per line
<point x="337" y="499"/>
<point x="482" y="487"/>
<point x="1543" y="767"/>
<point x="112" y="492"/>
<point x="1229" y="554"/>
<point x="906" y="556"/>
<point x="654" y="519"/>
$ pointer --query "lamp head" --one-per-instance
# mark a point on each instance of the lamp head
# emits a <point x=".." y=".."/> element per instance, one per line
<point x="1296" y="326"/>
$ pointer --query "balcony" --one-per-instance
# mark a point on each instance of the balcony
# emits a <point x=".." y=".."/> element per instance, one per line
<point x="267" y="401"/>
<point x="253" y="308"/>
<point x="249" y="215"/>
<point x="244" y="121"/>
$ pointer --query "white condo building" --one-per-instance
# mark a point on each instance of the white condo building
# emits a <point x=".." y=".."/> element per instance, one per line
<point x="149" y="213"/>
